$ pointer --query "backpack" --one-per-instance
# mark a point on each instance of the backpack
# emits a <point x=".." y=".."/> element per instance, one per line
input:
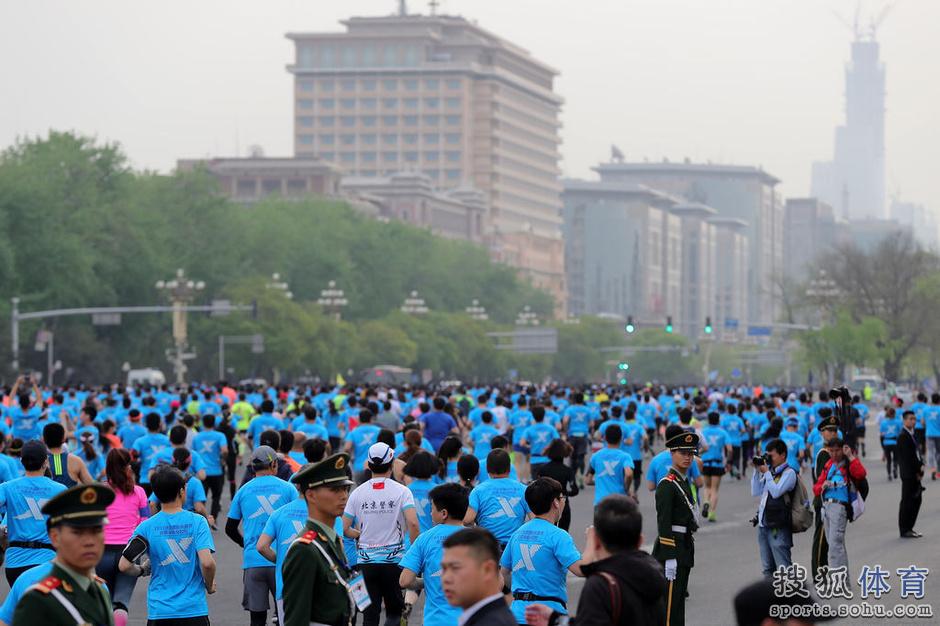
<point x="616" y="600"/>
<point x="801" y="515"/>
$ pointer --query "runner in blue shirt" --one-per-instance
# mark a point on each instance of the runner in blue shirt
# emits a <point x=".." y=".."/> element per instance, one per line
<point x="448" y="508"/>
<point x="736" y="430"/>
<point x="278" y="534"/>
<point x="537" y="438"/>
<point x="499" y="504"/>
<point x="539" y="555"/>
<point x="890" y="428"/>
<point x="716" y="450"/>
<point x="577" y="418"/>
<point x="179" y="546"/>
<point x="634" y="441"/>
<point x="263" y="422"/>
<point x="796" y="445"/>
<point x="253" y="505"/>
<point x="611" y="469"/>
<point x="520" y="420"/>
<point x="932" y="423"/>
<point x="146" y="447"/>
<point x="360" y="439"/>
<point x="26" y="413"/>
<point x="212" y="448"/>
<point x="21" y="500"/>
<point x="178" y="441"/>
<point x="133" y="430"/>
<point x="482" y="434"/>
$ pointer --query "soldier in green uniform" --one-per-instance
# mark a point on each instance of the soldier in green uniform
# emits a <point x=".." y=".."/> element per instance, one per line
<point x="675" y="522"/>
<point x="828" y="427"/>
<point x="72" y="594"/>
<point x="316" y="577"/>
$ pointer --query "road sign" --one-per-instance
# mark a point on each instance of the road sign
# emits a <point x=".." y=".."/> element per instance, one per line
<point x="106" y="319"/>
<point x="220" y="308"/>
<point x="736" y="373"/>
<point x="759" y="331"/>
<point x="731" y="323"/>
<point x="528" y="340"/>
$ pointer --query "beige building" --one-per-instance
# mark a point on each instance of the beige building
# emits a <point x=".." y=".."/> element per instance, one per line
<point x="730" y="284"/>
<point x="699" y="265"/>
<point x="440" y="95"/>
<point x="252" y="178"/>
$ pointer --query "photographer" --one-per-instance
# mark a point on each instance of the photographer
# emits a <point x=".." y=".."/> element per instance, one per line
<point x="833" y="485"/>
<point x="772" y="480"/>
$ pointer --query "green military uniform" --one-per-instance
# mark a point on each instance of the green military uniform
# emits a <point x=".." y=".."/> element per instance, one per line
<point x="820" y="554"/>
<point x="315" y="571"/>
<point x="675" y="523"/>
<point x="65" y="596"/>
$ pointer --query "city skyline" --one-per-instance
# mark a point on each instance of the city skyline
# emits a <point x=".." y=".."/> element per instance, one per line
<point x="690" y="94"/>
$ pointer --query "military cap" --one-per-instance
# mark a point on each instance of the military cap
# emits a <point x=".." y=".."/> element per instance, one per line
<point x="683" y="441"/>
<point x="81" y="505"/>
<point x="830" y="422"/>
<point x="330" y="472"/>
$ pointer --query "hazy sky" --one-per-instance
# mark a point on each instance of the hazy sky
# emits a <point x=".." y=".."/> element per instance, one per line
<point x="734" y="81"/>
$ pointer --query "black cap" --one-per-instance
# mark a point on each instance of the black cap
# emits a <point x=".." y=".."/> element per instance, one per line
<point x="331" y="471"/>
<point x="828" y="423"/>
<point x="34" y="453"/>
<point x="82" y="505"/>
<point x="683" y="441"/>
<point x="752" y="604"/>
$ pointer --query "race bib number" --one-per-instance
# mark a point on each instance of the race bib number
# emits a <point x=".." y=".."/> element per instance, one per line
<point x="359" y="593"/>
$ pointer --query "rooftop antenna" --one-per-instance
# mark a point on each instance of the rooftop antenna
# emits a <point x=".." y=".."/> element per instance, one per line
<point x="434" y="4"/>
<point x="402" y="8"/>
<point x="877" y="21"/>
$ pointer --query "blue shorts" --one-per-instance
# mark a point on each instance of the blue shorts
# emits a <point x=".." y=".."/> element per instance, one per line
<point x="519" y="448"/>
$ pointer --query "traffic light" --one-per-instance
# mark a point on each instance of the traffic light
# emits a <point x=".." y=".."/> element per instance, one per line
<point x="669" y="324"/>
<point x="623" y="381"/>
<point x="630" y="327"/>
<point x="708" y="326"/>
<point x="623" y="367"/>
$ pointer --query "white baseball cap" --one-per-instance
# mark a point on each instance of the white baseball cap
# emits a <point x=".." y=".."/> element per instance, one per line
<point x="380" y="454"/>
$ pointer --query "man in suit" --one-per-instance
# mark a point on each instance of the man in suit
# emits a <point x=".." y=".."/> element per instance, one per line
<point x="470" y="578"/>
<point x="911" y="466"/>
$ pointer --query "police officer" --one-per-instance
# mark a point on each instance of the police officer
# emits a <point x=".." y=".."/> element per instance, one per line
<point x="676" y="520"/>
<point x="828" y="428"/>
<point x="71" y="593"/>
<point x="316" y="577"/>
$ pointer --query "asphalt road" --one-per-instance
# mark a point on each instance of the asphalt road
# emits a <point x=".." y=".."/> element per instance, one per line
<point x="727" y="556"/>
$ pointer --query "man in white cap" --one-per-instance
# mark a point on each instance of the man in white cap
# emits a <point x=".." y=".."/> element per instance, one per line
<point x="377" y="513"/>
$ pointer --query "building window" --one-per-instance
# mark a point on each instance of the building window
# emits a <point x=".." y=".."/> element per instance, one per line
<point x="390" y="104"/>
<point x="347" y="121"/>
<point x="306" y="85"/>
<point x="296" y="186"/>
<point x="411" y="157"/>
<point x="368" y="55"/>
<point x="327" y="104"/>
<point x="432" y="83"/>
<point x="391" y="55"/>
<point x="433" y="174"/>
<point x="431" y="138"/>
<point x="390" y="120"/>
<point x="432" y="156"/>
<point x="326" y="140"/>
<point x="349" y="56"/>
<point x="411" y="56"/>
<point x="347" y="85"/>
<point x="347" y="157"/>
<point x="390" y="157"/>
<point x="390" y="84"/>
<point x="368" y="121"/>
<point x="432" y="103"/>
<point x="453" y="83"/>
<point x="452" y="138"/>
<point x="368" y="139"/>
<point x="327" y="120"/>
<point x="432" y="120"/>
<point x="368" y="157"/>
<point x="411" y="120"/>
<point x="305" y="55"/>
<point x="453" y="103"/>
<point x="348" y="140"/>
<point x="347" y="104"/>
<point x="305" y="103"/>
<point x="327" y="156"/>
<point x="326" y="85"/>
<point x="411" y="103"/>
<point x="368" y="84"/>
<point x="452" y="156"/>
<point x="410" y="138"/>
<point x="452" y="120"/>
<point x="305" y="140"/>
<point x="390" y="140"/>
<point x="411" y="84"/>
<point x="452" y="174"/>
<point x="368" y="173"/>
<point x="245" y="187"/>
<point x="367" y="104"/>
<point x="327" y="56"/>
<point x="305" y="120"/>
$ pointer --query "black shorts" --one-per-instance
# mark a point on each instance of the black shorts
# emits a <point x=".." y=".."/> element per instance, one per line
<point x="713" y="470"/>
<point x="579" y="444"/>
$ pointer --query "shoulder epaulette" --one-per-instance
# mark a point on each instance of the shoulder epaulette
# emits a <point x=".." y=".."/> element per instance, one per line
<point x="46" y="585"/>
<point x="307" y="537"/>
<point x="100" y="580"/>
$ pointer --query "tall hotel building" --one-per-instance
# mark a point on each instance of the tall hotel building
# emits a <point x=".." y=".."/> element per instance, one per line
<point x="440" y="95"/>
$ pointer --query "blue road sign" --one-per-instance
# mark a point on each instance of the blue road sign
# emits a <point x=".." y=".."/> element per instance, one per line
<point x="759" y="331"/>
<point x="731" y="323"/>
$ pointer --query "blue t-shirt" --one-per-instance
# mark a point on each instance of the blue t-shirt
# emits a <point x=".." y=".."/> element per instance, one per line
<point x="208" y="446"/>
<point x="500" y="505"/>
<point x="420" y="490"/>
<point x="362" y="437"/>
<point x="424" y="559"/>
<point x="26" y="423"/>
<point x="283" y="527"/>
<point x="609" y="465"/>
<point x="26" y="580"/>
<point x="131" y="433"/>
<point x="520" y="420"/>
<point x="579" y="419"/>
<point x="539" y="555"/>
<point x="21" y="500"/>
<point x="481" y="437"/>
<point x="195" y="492"/>
<point x="716" y="439"/>
<point x="165" y="456"/>
<point x="253" y="504"/>
<point x="634" y="432"/>
<point x="539" y="437"/>
<point x="794" y="443"/>
<point x="932" y="418"/>
<point x="437" y="425"/>
<point x="146" y="447"/>
<point x="177" y="589"/>
<point x="263" y="422"/>
<point x="890" y="429"/>
<point x="660" y="464"/>
<point x="734" y="426"/>
<point x="312" y="430"/>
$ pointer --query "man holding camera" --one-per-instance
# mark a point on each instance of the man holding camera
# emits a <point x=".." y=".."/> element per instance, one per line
<point x="773" y="478"/>
<point x="838" y="477"/>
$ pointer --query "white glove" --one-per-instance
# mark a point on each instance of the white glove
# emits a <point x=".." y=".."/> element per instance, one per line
<point x="671" y="567"/>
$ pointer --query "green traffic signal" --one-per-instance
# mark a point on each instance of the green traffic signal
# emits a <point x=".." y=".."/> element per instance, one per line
<point x="623" y="381"/>
<point x="708" y="325"/>
<point x="630" y="327"/>
<point x="623" y="366"/>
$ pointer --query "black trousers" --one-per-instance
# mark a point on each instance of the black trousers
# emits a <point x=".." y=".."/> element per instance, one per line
<point x="213" y="485"/>
<point x="891" y="459"/>
<point x="382" y="584"/>
<point x="910" y="504"/>
<point x="637" y="476"/>
<point x="736" y="458"/>
<point x="12" y="573"/>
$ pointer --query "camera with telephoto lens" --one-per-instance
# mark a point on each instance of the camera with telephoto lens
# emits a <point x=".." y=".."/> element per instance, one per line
<point x="759" y="460"/>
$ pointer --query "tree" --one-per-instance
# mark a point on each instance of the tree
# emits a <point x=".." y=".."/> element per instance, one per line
<point x="845" y="342"/>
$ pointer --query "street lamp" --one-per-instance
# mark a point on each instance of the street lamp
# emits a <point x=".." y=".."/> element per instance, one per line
<point x="414" y="305"/>
<point x="281" y="286"/>
<point x="180" y="291"/>
<point x="477" y="312"/>
<point x="332" y="299"/>
<point x="527" y="317"/>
